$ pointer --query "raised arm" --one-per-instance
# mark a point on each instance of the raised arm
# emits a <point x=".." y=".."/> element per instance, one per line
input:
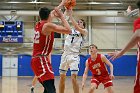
<point x="75" y="24"/>
<point x="61" y="4"/>
<point x="133" y="41"/>
<point x="85" y="75"/>
<point x="51" y="27"/>
<point x="131" y="12"/>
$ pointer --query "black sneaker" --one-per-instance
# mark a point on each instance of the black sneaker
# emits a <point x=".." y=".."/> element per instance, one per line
<point x="32" y="89"/>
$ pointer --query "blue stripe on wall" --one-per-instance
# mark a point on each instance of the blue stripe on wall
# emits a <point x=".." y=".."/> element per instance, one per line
<point x="123" y="66"/>
<point x="24" y="67"/>
<point x="0" y="65"/>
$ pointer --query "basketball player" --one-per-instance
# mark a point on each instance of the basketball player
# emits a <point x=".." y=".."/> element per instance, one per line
<point x="132" y="42"/>
<point x="70" y="57"/>
<point x="42" y="46"/>
<point x="96" y="63"/>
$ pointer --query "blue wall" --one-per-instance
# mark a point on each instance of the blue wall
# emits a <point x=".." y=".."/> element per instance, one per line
<point x="24" y="67"/>
<point x="0" y="65"/>
<point x="123" y="66"/>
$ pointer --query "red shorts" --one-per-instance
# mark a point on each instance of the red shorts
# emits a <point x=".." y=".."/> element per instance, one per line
<point x="42" y="68"/>
<point x="105" y="80"/>
<point x="137" y="81"/>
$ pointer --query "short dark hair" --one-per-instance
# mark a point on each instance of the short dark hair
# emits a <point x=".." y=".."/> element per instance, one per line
<point x="138" y="4"/>
<point x="84" y="23"/>
<point x="44" y="13"/>
<point x="93" y="46"/>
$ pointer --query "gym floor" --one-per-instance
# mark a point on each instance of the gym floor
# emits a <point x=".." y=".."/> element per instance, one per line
<point x="23" y="84"/>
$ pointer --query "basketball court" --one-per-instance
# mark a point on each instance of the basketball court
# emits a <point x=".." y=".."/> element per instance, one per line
<point x="109" y="27"/>
<point x="23" y="84"/>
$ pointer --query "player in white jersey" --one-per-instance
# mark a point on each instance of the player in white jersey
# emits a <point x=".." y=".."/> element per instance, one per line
<point x="74" y="42"/>
<point x="70" y="57"/>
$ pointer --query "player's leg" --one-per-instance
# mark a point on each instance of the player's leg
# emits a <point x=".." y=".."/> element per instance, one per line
<point x="62" y="70"/>
<point x="74" y="67"/>
<point x="33" y="84"/>
<point x="93" y="87"/>
<point x="110" y="89"/>
<point x="34" y="81"/>
<point x="137" y="84"/>
<point x="94" y="84"/>
<point x="43" y="70"/>
<point x="137" y="80"/>
<point x="47" y="80"/>
<point x="49" y="86"/>
<point x="75" y="83"/>
<point x="108" y="84"/>
<point x="62" y="83"/>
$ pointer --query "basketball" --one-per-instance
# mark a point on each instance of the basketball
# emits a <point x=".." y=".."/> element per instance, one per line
<point x="70" y="4"/>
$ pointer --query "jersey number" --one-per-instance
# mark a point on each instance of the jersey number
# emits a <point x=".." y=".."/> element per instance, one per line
<point x="72" y="39"/>
<point x="98" y="71"/>
<point x="36" y="37"/>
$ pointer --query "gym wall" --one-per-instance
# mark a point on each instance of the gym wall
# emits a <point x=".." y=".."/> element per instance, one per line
<point x="123" y="66"/>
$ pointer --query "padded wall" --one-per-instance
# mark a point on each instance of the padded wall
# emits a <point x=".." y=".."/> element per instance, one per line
<point x="123" y="66"/>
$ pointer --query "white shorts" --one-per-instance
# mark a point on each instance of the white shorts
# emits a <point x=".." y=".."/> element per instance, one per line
<point x="69" y="61"/>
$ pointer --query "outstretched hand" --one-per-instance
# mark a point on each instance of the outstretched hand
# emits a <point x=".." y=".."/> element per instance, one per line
<point x="129" y="9"/>
<point x="114" y="55"/>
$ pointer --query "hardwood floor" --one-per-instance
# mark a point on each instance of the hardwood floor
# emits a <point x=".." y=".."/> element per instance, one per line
<point x="23" y="84"/>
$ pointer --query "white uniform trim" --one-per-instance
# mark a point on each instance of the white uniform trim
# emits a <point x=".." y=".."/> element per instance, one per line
<point x="48" y="66"/>
<point x="94" y="80"/>
<point x="44" y="67"/>
<point x="41" y="61"/>
<point x="108" y="82"/>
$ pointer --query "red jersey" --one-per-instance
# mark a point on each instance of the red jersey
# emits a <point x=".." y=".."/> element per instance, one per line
<point x="42" y="44"/>
<point x="137" y="81"/>
<point x="97" y="67"/>
<point x="137" y="26"/>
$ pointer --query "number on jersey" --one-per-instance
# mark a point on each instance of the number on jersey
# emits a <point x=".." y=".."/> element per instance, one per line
<point x="98" y="71"/>
<point x="72" y="39"/>
<point x="36" y="37"/>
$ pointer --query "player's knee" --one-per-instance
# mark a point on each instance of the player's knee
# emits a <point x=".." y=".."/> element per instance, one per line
<point x="110" y="89"/>
<point x="62" y="77"/>
<point x="73" y="77"/>
<point x="93" y="86"/>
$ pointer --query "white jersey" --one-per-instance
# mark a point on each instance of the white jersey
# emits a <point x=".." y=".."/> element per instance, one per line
<point x="74" y="42"/>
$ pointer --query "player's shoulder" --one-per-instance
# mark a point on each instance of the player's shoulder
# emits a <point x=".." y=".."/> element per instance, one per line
<point x="102" y="56"/>
<point x="49" y="24"/>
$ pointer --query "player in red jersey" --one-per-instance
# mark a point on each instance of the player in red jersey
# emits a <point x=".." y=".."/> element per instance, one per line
<point x="135" y="39"/>
<point x="96" y="63"/>
<point x="43" y="43"/>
